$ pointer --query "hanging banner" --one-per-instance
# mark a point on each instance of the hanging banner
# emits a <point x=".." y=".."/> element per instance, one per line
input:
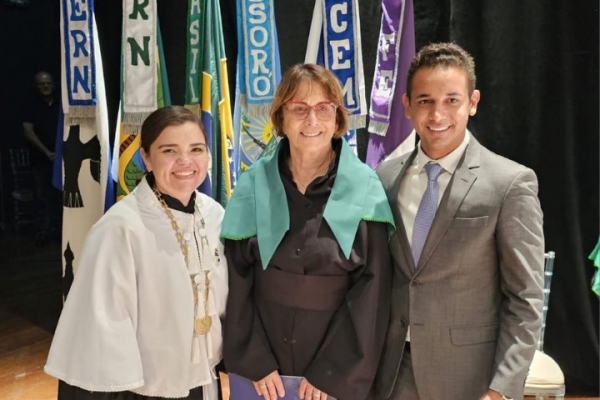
<point x="78" y="42"/>
<point x="254" y="93"/>
<point x="139" y="62"/>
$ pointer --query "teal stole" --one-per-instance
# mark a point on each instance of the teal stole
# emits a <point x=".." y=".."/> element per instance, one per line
<point x="259" y="205"/>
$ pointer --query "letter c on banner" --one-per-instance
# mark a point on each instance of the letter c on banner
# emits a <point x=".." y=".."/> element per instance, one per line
<point x="335" y="23"/>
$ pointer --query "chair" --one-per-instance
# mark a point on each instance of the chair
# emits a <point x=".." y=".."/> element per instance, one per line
<point x="22" y="194"/>
<point x="545" y="377"/>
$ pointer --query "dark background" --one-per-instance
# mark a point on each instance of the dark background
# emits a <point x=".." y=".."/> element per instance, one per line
<point x="537" y="68"/>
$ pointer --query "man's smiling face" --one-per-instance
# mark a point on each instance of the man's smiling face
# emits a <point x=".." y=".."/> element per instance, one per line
<point x="440" y="106"/>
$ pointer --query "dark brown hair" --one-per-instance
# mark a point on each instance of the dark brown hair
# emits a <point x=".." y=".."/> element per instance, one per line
<point x="442" y="55"/>
<point x="311" y="73"/>
<point x="164" y="117"/>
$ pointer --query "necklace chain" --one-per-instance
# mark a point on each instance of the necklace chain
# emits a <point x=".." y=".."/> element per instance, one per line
<point x="201" y="325"/>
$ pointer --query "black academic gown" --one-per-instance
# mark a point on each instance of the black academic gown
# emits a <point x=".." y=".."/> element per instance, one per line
<point x="311" y="312"/>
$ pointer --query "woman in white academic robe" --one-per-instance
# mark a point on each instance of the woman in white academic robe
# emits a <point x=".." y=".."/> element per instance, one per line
<point x="143" y="317"/>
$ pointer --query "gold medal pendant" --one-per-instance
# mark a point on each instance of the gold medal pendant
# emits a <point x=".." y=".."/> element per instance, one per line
<point x="202" y="325"/>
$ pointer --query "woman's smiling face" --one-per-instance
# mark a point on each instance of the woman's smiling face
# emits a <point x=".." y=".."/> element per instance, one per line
<point x="178" y="158"/>
<point x="312" y="133"/>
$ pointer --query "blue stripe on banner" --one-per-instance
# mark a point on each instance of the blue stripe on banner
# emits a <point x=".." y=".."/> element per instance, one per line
<point x="80" y="58"/>
<point x="339" y="48"/>
<point x="252" y="131"/>
<point x="259" y="51"/>
<point x="110" y="194"/>
<point x="57" y="178"/>
<point x="320" y="53"/>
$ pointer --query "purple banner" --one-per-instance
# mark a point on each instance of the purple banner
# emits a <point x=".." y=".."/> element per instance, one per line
<point x="396" y="50"/>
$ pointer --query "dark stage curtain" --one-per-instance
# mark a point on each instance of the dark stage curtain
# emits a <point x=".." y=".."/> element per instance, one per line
<point x="537" y="67"/>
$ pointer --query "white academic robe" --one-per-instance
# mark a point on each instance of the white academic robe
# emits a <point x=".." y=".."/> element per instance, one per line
<point x="128" y="320"/>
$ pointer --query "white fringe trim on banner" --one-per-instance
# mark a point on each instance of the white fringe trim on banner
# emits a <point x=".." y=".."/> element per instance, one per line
<point x="132" y="129"/>
<point x="378" y="127"/>
<point x="78" y="114"/>
<point x="357" y="121"/>
<point x="136" y="118"/>
<point x="256" y="110"/>
<point x="82" y="111"/>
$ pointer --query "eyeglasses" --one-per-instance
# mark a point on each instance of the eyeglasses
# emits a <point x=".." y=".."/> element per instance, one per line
<point x="300" y="110"/>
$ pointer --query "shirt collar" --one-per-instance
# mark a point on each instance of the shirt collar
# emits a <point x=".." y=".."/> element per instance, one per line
<point x="449" y="162"/>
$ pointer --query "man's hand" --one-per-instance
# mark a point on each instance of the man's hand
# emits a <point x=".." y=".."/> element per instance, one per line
<point x="491" y="395"/>
<point x="30" y="135"/>
<point x="270" y="386"/>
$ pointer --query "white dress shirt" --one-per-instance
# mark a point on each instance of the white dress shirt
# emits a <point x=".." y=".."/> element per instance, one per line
<point x="414" y="184"/>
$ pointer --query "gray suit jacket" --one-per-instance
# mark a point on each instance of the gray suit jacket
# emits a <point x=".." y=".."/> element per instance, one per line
<point x="474" y="302"/>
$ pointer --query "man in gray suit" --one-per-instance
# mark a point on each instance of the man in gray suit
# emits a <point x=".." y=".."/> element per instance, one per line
<point x="468" y="251"/>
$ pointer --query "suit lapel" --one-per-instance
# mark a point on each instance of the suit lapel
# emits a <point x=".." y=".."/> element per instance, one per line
<point x="399" y="245"/>
<point x="463" y="178"/>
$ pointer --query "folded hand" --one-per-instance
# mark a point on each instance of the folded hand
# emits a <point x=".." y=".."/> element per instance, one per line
<point x="270" y="386"/>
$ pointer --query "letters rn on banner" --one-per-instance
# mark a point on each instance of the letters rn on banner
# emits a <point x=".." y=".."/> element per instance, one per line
<point x="83" y="132"/>
<point x="144" y="88"/>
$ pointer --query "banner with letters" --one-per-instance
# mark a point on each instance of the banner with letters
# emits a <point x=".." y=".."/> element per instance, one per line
<point x="83" y="137"/>
<point x="258" y="74"/>
<point x="338" y="25"/>
<point x="139" y="68"/>
<point x="142" y="59"/>
<point x="207" y="93"/>
<point x="195" y="40"/>
<point x="343" y="55"/>
<point x="391" y="132"/>
<point x="78" y="43"/>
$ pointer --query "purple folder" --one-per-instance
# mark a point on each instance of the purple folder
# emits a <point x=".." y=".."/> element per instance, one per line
<point x="241" y="388"/>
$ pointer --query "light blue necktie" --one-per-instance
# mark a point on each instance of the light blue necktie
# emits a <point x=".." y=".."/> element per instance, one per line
<point x="426" y="211"/>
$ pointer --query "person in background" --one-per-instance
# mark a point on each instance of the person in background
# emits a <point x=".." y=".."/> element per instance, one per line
<point x="306" y="239"/>
<point x="469" y="250"/>
<point x="142" y="319"/>
<point x="40" y="124"/>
